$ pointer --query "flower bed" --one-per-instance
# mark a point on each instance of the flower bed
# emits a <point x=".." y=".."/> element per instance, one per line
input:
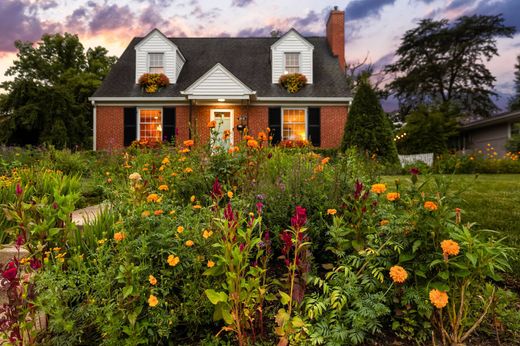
<point x="250" y="244"/>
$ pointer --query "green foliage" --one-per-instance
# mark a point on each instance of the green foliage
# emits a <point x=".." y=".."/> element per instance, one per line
<point x="427" y="130"/>
<point x="368" y="128"/>
<point x="47" y="101"/>
<point x="513" y="143"/>
<point x="293" y="82"/>
<point x="441" y="61"/>
<point x="514" y="103"/>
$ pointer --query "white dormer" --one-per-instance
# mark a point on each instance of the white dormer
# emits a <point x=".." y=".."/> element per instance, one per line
<point x="291" y="53"/>
<point x="157" y="54"/>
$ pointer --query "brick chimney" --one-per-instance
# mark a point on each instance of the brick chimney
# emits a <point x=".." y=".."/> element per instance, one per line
<point x="336" y="35"/>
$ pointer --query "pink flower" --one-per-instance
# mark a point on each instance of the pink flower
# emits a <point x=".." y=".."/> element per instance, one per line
<point x="19" y="190"/>
<point x="259" y="207"/>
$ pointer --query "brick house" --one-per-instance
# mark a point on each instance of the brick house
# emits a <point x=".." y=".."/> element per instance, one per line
<point x="234" y="81"/>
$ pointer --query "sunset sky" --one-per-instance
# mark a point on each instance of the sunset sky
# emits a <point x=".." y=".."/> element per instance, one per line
<point x="373" y="27"/>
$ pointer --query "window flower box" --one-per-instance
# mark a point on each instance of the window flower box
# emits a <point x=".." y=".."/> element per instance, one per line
<point x="153" y="82"/>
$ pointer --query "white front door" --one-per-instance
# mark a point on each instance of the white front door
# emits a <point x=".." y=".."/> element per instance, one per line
<point x="223" y="124"/>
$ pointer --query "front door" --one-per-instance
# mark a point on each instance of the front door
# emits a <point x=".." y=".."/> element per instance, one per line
<point x="223" y="127"/>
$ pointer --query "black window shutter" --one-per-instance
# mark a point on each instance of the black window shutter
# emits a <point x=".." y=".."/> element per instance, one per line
<point x="168" y="123"/>
<point x="130" y="125"/>
<point x="313" y="126"/>
<point x="275" y="124"/>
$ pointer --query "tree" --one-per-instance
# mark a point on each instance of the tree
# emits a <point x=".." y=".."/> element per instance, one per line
<point x="514" y="105"/>
<point x="427" y="130"/>
<point x="47" y="101"/>
<point x="368" y="128"/>
<point x="441" y="62"/>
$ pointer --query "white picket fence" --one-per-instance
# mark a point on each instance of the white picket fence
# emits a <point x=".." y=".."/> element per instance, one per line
<point x="409" y="159"/>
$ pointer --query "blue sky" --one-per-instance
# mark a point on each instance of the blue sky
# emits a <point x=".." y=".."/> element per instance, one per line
<point x="373" y="27"/>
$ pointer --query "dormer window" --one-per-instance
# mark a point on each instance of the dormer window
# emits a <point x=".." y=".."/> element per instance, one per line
<point x="292" y="62"/>
<point x="156" y="62"/>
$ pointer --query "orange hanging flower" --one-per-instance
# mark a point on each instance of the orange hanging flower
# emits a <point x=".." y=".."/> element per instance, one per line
<point x="331" y="211"/>
<point x="119" y="236"/>
<point x="450" y="248"/>
<point x="153" y="197"/>
<point x="431" y="206"/>
<point x="188" y="143"/>
<point x="439" y="299"/>
<point x="393" y="196"/>
<point x="153" y="301"/>
<point x="189" y="243"/>
<point x="252" y="144"/>
<point x="211" y="264"/>
<point x="163" y="187"/>
<point x="378" y="188"/>
<point x="212" y="124"/>
<point x="153" y="280"/>
<point x="398" y="274"/>
<point x="173" y="260"/>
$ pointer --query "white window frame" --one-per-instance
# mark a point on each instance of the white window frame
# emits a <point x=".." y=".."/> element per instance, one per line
<point x="306" y="109"/>
<point x="138" y="126"/>
<point x="148" y="59"/>
<point x="299" y="54"/>
<point x="231" y="122"/>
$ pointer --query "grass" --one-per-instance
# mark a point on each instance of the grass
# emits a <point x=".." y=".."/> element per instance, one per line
<point x="490" y="200"/>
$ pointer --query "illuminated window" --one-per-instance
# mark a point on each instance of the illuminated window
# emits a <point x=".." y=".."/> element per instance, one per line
<point x="292" y="62"/>
<point x="150" y="124"/>
<point x="294" y="124"/>
<point x="156" y="64"/>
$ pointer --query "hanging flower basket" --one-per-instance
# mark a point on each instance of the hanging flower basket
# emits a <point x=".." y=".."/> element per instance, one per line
<point x="293" y="82"/>
<point x="153" y="82"/>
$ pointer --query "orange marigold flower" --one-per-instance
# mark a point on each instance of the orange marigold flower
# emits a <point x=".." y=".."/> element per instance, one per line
<point x="450" y="247"/>
<point x="197" y="206"/>
<point x="230" y="194"/>
<point x="173" y="260"/>
<point x="206" y="234"/>
<point x="393" y="196"/>
<point x="180" y="229"/>
<point x="165" y="161"/>
<point x="153" y="197"/>
<point x="212" y="124"/>
<point x="153" y="280"/>
<point x="398" y="274"/>
<point x="118" y="236"/>
<point x="211" y="264"/>
<point x="188" y="170"/>
<point x="145" y="213"/>
<point x="189" y="243"/>
<point x="331" y="211"/>
<point x="384" y="222"/>
<point x="158" y="212"/>
<point x="431" y="206"/>
<point x="188" y="143"/>
<point x="252" y="144"/>
<point x="438" y="298"/>
<point x="227" y="134"/>
<point x="378" y="188"/>
<point x="163" y="187"/>
<point x="248" y="138"/>
<point x="153" y="301"/>
<point x="325" y="161"/>
<point x="262" y="137"/>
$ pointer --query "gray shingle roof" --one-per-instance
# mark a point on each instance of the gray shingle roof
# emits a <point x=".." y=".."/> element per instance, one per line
<point x="247" y="58"/>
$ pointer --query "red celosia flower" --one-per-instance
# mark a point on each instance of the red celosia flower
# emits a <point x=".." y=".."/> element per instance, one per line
<point x="10" y="272"/>
<point x="35" y="264"/>
<point x="19" y="190"/>
<point x="300" y="217"/>
<point x="358" y="189"/>
<point x="216" y="191"/>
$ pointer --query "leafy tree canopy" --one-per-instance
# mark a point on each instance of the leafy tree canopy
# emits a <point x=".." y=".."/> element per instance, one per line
<point x="47" y="99"/>
<point x="368" y="128"/>
<point x="441" y="62"/>
<point x="515" y="101"/>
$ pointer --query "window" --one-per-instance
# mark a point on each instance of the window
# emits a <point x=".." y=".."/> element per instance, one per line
<point x="294" y="124"/>
<point x="150" y="124"/>
<point x="292" y="62"/>
<point x="155" y="62"/>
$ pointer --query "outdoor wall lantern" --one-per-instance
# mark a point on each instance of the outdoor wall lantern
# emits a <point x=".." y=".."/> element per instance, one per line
<point x="243" y="123"/>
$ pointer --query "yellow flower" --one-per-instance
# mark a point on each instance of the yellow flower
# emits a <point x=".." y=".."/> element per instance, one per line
<point x="161" y="168"/>
<point x="438" y="298"/>
<point x="331" y="211"/>
<point x="56" y="249"/>
<point x="118" y="236"/>
<point x="188" y="170"/>
<point x="173" y="260"/>
<point x="145" y="213"/>
<point x="163" y="187"/>
<point x="431" y="206"/>
<point x="153" y="280"/>
<point x="153" y="301"/>
<point x="230" y="194"/>
<point x="206" y="234"/>
<point x="189" y="243"/>
<point x="393" y="196"/>
<point x="378" y="188"/>
<point x="25" y="260"/>
<point x="101" y="241"/>
<point x="165" y="161"/>
<point x="398" y="274"/>
<point x="450" y="247"/>
<point x="158" y="212"/>
<point x="184" y="151"/>
<point x="211" y="264"/>
<point x="135" y="176"/>
<point x="180" y="229"/>
<point x="153" y="197"/>
<point x="192" y="199"/>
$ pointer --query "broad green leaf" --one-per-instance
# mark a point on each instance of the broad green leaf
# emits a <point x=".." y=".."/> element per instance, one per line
<point x="285" y="298"/>
<point x="216" y="297"/>
<point x="127" y="291"/>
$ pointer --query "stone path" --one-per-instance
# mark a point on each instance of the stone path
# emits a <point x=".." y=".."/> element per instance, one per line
<point x="86" y="215"/>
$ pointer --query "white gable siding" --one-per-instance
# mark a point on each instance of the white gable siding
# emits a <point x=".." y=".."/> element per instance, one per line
<point x="218" y="82"/>
<point x="291" y="43"/>
<point x="179" y="63"/>
<point x="155" y="43"/>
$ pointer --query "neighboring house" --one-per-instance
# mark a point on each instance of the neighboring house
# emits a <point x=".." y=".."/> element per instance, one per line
<point x="495" y="131"/>
<point x="231" y="80"/>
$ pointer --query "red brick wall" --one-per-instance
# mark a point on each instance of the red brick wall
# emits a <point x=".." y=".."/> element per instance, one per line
<point x="182" y="119"/>
<point x="336" y="35"/>
<point x="333" y="119"/>
<point x="109" y="127"/>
